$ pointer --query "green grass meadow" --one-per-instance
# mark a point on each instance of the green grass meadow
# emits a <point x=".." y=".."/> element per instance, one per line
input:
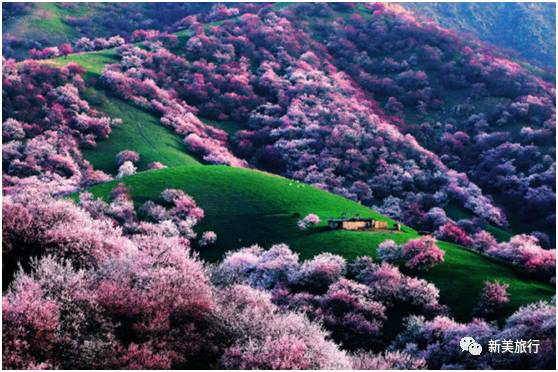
<point x="46" y="21"/>
<point x="92" y="62"/>
<point x="245" y="207"/>
<point x="140" y="131"/>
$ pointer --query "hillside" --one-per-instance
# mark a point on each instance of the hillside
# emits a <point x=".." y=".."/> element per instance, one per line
<point x="40" y="25"/>
<point x="140" y="131"/>
<point x="92" y="62"/>
<point x="413" y="122"/>
<point x="33" y="25"/>
<point x="528" y="29"/>
<point x="170" y="171"/>
<point x="245" y="207"/>
<point x="446" y="115"/>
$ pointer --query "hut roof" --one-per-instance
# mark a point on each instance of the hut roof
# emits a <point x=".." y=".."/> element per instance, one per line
<point x="350" y="219"/>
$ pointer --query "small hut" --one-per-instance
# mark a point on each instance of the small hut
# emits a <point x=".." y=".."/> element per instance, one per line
<point x="356" y="223"/>
<point x="379" y="224"/>
<point x="350" y="223"/>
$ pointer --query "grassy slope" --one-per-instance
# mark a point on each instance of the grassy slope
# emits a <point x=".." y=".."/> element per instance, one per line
<point x="140" y="131"/>
<point x="43" y="18"/>
<point x="229" y="126"/>
<point x="93" y="62"/>
<point x="245" y="206"/>
<point x="45" y="21"/>
<point x="458" y="213"/>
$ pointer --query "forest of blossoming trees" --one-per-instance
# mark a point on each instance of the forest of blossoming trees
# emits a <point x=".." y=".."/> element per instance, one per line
<point x="114" y="288"/>
<point x="410" y="122"/>
<point x="295" y="95"/>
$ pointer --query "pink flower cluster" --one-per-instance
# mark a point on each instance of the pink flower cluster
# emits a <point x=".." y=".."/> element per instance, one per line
<point x="83" y="44"/>
<point x="98" y="289"/>
<point x="525" y="252"/>
<point x="199" y="138"/>
<point x="493" y="296"/>
<point x="47" y="123"/>
<point x="148" y="303"/>
<point x="467" y="137"/>
<point x="418" y="254"/>
<point x="452" y="233"/>
<point x="127" y="155"/>
<point x="308" y="221"/>
<point x="352" y="309"/>
<point x="422" y="253"/>
<point x="437" y="340"/>
<point x="207" y="238"/>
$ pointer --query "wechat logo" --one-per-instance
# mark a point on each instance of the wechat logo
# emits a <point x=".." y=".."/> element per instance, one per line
<point x="469" y="344"/>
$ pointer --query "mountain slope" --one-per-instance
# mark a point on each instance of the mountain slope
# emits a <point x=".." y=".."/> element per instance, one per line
<point x="245" y="207"/>
<point x="92" y="62"/>
<point x="140" y="131"/>
<point x="268" y="225"/>
<point x="39" y="25"/>
<point x="467" y="108"/>
<point x="526" y="28"/>
<point x="459" y="98"/>
<point x="354" y="109"/>
<point x="35" y="24"/>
